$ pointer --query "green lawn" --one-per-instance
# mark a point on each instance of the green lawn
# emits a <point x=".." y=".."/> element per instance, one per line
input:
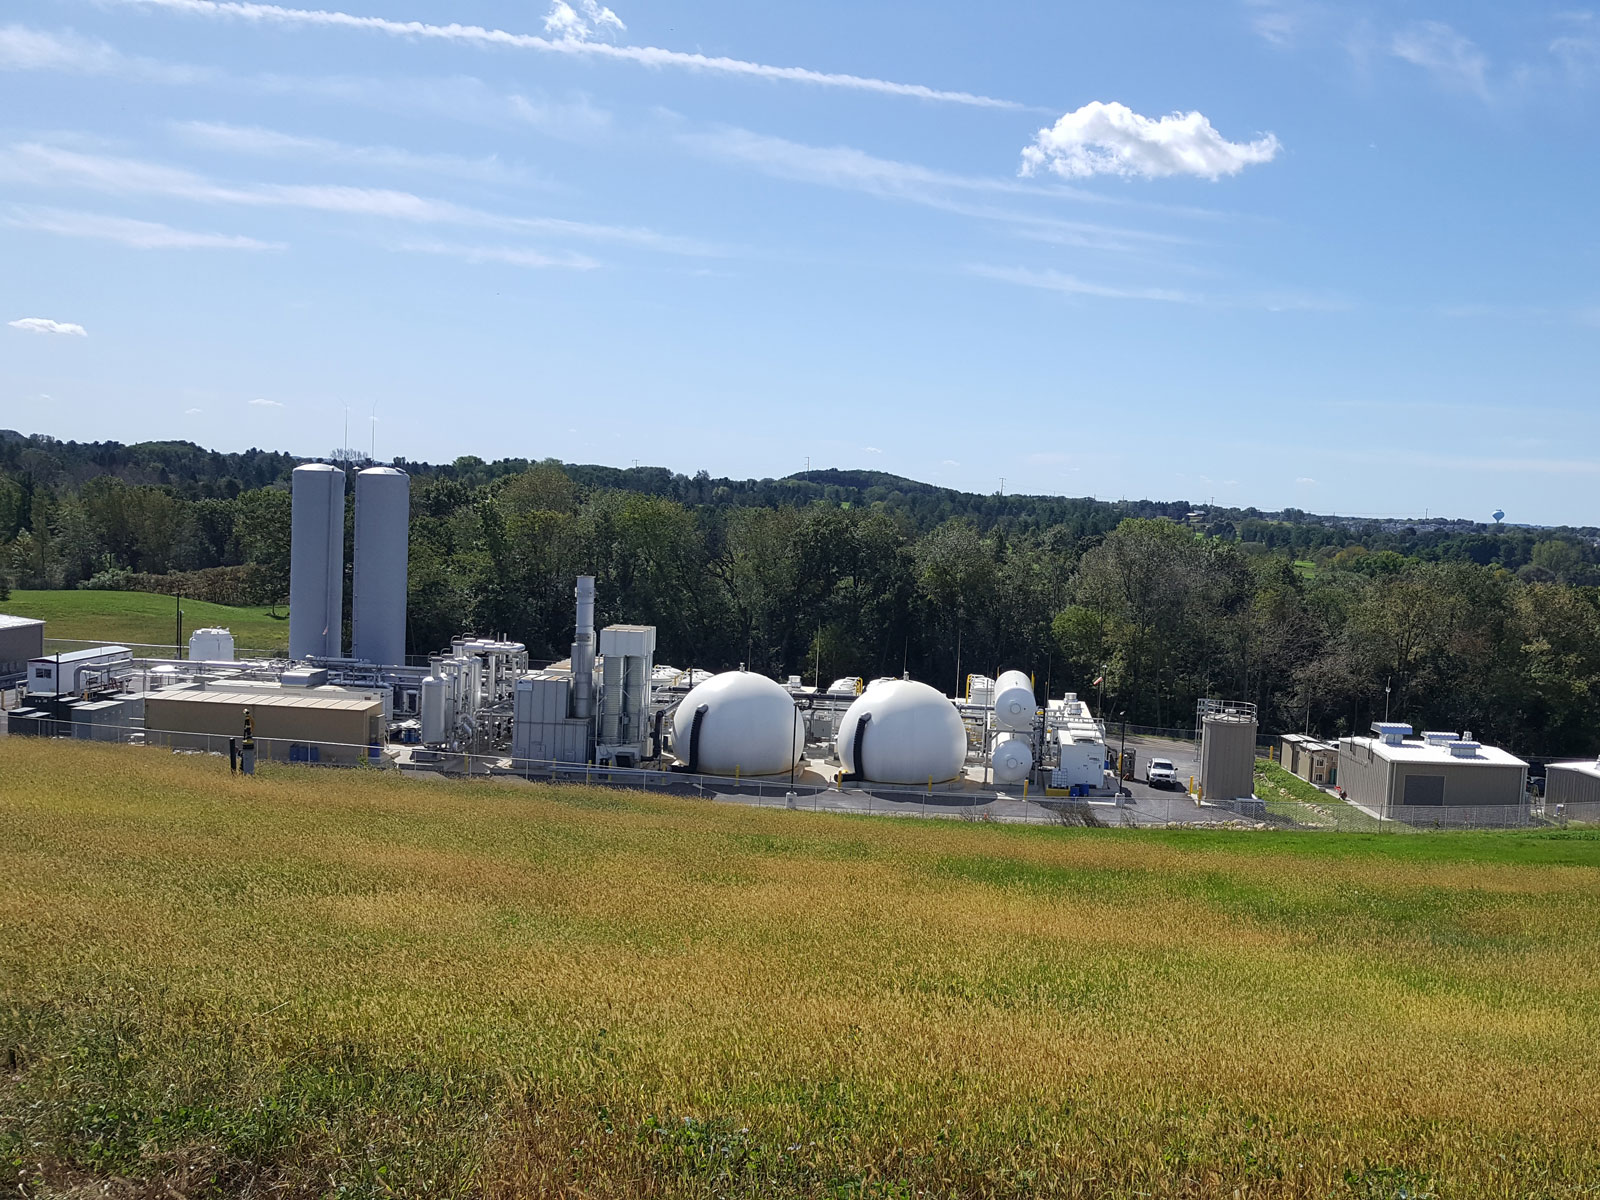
<point x="344" y="983"/>
<point x="143" y="618"/>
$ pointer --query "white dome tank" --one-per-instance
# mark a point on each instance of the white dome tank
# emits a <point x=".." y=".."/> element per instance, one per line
<point x="1014" y="704"/>
<point x="912" y="735"/>
<point x="751" y="726"/>
<point x="1011" y="760"/>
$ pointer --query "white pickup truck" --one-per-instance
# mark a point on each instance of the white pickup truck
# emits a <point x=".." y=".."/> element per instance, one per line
<point x="1159" y="772"/>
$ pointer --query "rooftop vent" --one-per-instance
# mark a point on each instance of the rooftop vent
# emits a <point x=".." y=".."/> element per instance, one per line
<point x="1435" y="738"/>
<point x="1464" y="749"/>
<point x="1393" y="733"/>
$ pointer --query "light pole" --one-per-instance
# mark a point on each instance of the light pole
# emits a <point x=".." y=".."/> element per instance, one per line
<point x="1122" y="754"/>
<point x="794" y="748"/>
<point x="1386" y="685"/>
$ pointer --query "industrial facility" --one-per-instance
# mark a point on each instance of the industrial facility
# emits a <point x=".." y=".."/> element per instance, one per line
<point x="1395" y="775"/>
<point x="480" y="706"/>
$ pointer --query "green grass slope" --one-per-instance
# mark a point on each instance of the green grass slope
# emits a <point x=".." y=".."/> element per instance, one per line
<point x="344" y="983"/>
<point x="144" y="618"/>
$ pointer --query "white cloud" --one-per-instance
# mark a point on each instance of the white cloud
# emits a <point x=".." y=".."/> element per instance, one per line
<point x="270" y="143"/>
<point x="950" y="462"/>
<point x="587" y="20"/>
<point x="872" y="450"/>
<point x="850" y="169"/>
<point x="1112" y="139"/>
<point x="45" y="325"/>
<point x="36" y="163"/>
<point x="515" y="256"/>
<point x="260" y="403"/>
<point x="24" y="49"/>
<point x="1056" y="281"/>
<point x="1305" y="481"/>
<point x="138" y="235"/>
<point x="650" y="56"/>
<point x="1579" y="47"/>
<point x="1448" y="56"/>
<point x="191" y="412"/>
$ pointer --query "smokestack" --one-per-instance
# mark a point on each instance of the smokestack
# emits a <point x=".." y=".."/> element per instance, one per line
<point x="583" y="651"/>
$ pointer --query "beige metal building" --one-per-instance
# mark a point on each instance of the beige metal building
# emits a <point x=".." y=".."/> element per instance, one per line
<point x="21" y="640"/>
<point x="1575" y="786"/>
<point x="1401" y="777"/>
<point x="1312" y="759"/>
<point x="289" y="726"/>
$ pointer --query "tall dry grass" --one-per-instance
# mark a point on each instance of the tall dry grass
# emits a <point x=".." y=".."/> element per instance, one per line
<point x="344" y="983"/>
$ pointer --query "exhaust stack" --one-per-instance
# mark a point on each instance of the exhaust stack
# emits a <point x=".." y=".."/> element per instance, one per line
<point x="583" y="652"/>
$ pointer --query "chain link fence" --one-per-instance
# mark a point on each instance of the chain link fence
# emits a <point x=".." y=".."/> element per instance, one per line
<point x="1282" y="802"/>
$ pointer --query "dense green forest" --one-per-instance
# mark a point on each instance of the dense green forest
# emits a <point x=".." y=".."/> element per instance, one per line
<point x="835" y="573"/>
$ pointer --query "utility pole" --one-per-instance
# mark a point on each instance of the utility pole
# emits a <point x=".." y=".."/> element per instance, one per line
<point x="1386" y="684"/>
<point x="177" y="637"/>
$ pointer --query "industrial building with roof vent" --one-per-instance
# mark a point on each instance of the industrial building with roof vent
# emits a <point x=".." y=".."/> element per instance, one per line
<point x="1397" y="776"/>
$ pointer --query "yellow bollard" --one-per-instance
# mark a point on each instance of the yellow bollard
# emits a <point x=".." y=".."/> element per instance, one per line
<point x="1024" y="789"/>
<point x="736" y="772"/>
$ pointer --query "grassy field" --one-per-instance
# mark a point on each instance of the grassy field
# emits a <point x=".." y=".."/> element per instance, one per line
<point x="144" y="618"/>
<point x="344" y="983"/>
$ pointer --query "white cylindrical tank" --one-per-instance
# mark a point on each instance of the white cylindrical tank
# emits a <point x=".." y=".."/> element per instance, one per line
<point x="751" y="726"/>
<point x="378" y="587"/>
<point x="1011" y="759"/>
<point x="1014" y="704"/>
<point x="316" y="562"/>
<point x="913" y="734"/>
<point x="211" y="645"/>
<point x="435" y="711"/>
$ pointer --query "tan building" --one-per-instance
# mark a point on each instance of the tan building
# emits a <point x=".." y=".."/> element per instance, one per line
<point x="1431" y="778"/>
<point x="1312" y="759"/>
<point x="289" y="726"/>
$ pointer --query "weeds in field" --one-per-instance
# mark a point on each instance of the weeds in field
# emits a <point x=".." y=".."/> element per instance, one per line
<point x="330" y="983"/>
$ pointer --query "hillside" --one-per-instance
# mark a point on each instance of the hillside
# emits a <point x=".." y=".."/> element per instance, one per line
<point x="387" y="987"/>
<point x="143" y="619"/>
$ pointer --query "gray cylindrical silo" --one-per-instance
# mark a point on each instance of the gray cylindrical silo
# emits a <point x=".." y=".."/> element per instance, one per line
<point x="316" y="562"/>
<point x="1228" y="757"/>
<point x="378" y="602"/>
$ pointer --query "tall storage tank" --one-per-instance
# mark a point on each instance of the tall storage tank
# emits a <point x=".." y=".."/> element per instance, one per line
<point x="908" y="733"/>
<point x="750" y="726"/>
<point x="1228" y="757"/>
<point x="1014" y="703"/>
<point x="383" y="528"/>
<point x="316" y="562"/>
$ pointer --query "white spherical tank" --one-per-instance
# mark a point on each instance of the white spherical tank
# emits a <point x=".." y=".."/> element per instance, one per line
<point x="316" y="561"/>
<point x="378" y="586"/>
<point x="1011" y="760"/>
<point x="1014" y="704"/>
<point x="750" y="726"/>
<point x="912" y="735"/>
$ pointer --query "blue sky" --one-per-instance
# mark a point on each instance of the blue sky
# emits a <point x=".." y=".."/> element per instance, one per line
<point x="1268" y="251"/>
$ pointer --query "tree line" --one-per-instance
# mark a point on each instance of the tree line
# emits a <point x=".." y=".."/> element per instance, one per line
<point x="1324" y="626"/>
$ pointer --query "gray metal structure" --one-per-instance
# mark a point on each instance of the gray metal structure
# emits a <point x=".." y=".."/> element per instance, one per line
<point x="21" y="640"/>
<point x="1575" y="786"/>
<point x="316" y="562"/>
<point x="1228" y="753"/>
<point x="378" y="585"/>
<point x="1405" y="778"/>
